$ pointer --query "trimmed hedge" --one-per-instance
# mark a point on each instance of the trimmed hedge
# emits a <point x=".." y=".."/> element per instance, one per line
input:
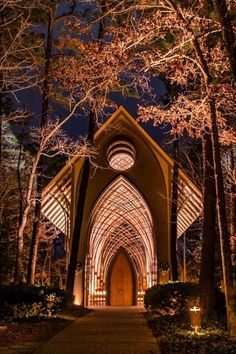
<point x="171" y="298"/>
<point x="28" y="301"/>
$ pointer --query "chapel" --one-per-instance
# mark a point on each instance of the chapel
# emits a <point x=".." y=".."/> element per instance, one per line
<point x="125" y="235"/>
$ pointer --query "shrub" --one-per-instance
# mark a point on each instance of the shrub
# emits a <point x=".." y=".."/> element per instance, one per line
<point x="28" y="301"/>
<point x="175" y="336"/>
<point x="171" y="298"/>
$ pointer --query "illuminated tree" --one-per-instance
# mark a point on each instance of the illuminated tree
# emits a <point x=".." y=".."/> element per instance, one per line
<point x="49" y="16"/>
<point x="95" y="69"/>
<point x="17" y="72"/>
<point x="184" y="44"/>
<point x="72" y="77"/>
<point x="65" y="67"/>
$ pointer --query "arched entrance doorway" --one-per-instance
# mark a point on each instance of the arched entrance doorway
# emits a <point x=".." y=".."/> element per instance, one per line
<point x="120" y="220"/>
<point x="121" y="281"/>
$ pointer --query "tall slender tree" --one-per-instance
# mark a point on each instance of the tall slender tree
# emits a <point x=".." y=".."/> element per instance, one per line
<point x="81" y="200"/>
<point x="182" y="49"/>
<point x="207" y="271"/>
<point x="52" y="18"/>
<point x="174" y="212"/>
<point x="227" y="33"/>
<point x="80" y="207"/>
<point x="17" y="68"/>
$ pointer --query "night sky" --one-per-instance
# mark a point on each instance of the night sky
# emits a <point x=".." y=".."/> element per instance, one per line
<point x="31" y="99"/>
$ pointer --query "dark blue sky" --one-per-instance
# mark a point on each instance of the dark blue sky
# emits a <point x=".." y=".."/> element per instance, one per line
<point x="31" y="100"/>
<point x="77" y="126"/>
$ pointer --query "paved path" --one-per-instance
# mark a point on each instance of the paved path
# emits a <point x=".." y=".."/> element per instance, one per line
<point x="104" y="331"/>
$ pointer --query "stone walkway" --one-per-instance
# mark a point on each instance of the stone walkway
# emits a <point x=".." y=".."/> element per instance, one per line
<point x="104" y="331"/>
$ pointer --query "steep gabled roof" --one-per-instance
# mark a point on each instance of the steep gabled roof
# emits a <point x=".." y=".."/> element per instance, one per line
<point x="57" y="195"/>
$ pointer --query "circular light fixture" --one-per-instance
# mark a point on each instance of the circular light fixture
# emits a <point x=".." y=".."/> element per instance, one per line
<point x="121" y="155"/>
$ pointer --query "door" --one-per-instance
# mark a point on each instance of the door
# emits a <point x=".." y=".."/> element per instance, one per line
<point x="121" y="282"/>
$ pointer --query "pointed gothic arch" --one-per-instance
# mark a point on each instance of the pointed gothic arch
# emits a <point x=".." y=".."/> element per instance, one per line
<point x="120" y="219"/>
<point x="145" y="234"/>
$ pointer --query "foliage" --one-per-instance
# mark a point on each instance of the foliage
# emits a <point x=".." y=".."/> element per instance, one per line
<point x="174" y="336"/>
<point x="25" y="301"/>
<point x="171" y="298"/>
<point x="18" y="46"/>
<point x="63" y="63"/>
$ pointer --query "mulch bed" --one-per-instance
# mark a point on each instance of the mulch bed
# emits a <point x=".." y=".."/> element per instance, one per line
<point x="33" y="331"/>
<point x="37" y="330"/>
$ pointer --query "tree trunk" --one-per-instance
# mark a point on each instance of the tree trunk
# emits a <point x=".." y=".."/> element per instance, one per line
<point x="184" y="257"/>
<point x="207" y="270"/>
<point x="21" y="229"/>
<point x="219" y="182"/>
<point x="82" y="190"/>
<point x="227" y="32"/>
<point x="1" y="186"/>
<point x="232" y="209"/>
<point x="174" y="208"/>
<point x="223" y="226"/>
<point x="79" y="215"/>
<point x="34" y="241"/>
<point x="20" y="206"/>
<point x="45" y="105"/>
<point x="232" y="216"/>
<point x="37" y="210"/>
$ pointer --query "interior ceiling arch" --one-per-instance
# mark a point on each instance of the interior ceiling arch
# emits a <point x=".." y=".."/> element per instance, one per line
<point x="125" y="237"/>
<point x="121" y="204"/>
<point x="121" y="219"/>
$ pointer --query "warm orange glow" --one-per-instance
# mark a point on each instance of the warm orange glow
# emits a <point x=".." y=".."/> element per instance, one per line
<point x="195" y="316"/>
<point x="121" y="155"/>
<point x="195" y="309"/>
<point x="121" y="216"/>
<point x="120" y="219"/>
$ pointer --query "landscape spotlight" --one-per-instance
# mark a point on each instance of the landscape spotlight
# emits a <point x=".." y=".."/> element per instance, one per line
<point x="195" y="317"/>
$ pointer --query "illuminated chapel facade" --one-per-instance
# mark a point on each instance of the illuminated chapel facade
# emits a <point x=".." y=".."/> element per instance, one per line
<point x="125" y="234"/>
